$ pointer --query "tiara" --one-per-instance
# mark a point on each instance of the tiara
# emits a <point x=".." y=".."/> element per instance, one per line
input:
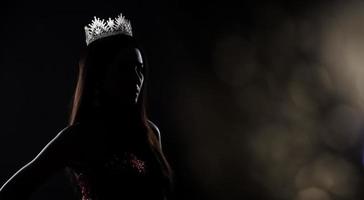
<point x="99" y="28"/>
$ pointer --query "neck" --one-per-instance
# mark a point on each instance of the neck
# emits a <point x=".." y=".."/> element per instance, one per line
<point x="119" y="115"/>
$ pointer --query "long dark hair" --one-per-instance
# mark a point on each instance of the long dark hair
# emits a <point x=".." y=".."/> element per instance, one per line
<point x="89" y="72"/>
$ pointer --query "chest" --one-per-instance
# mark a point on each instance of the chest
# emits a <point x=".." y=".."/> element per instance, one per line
<point x="111" y="165"/>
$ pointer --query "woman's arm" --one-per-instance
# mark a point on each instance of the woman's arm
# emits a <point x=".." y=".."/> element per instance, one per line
<point x="52" y="158"/>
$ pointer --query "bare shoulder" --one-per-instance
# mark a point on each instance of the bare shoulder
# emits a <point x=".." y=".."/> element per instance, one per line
<point x="53" y="157"/>
<point x="156" y="131"/>
<point x="62" y="144"/>
<point x="66" y="136"/>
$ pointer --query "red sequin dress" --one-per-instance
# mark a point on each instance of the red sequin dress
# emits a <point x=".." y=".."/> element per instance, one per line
<point x="116" y="169"/>
<point x="121" y="176"/>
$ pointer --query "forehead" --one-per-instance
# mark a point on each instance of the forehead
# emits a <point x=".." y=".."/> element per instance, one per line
<point x="130" y="54"/>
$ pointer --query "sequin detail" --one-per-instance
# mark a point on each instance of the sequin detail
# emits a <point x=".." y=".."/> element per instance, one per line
<point x="84" y="187"/>
<point x="137" y="164"/>
<point x="91" y="176"/>
<point x="128" y="160"/>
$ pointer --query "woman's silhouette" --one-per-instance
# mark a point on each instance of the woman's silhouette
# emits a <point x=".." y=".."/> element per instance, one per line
<point x="110" y="147"/>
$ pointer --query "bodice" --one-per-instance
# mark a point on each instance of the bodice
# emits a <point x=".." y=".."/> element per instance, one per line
<point x="118" y="176"/>
<point x="118" y="169"/>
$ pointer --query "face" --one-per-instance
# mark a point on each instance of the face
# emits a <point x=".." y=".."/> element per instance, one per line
<point x="124" y="77"/>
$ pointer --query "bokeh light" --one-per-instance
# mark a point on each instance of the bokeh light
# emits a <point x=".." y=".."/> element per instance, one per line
<point x="281" y="107"/>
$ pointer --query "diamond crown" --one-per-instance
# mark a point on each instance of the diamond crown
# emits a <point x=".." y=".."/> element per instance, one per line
<point x="99" y="28"/>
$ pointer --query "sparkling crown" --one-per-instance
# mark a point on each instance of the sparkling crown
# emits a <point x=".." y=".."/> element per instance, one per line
<point x="99" y="28"/>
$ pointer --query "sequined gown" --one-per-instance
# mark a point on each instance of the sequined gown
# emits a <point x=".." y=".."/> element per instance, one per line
<point x="120" y="172"/>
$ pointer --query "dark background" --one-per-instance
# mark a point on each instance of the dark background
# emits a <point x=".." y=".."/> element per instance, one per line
<point x="254" y="100"/>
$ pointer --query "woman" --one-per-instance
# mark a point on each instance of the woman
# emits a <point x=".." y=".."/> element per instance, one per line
<point x="110" y="147"/>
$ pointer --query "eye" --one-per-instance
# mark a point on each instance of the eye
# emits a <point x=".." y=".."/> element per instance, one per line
<point x="140" y="65"/>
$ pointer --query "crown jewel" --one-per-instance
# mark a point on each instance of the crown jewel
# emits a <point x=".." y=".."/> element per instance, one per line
<point x="99" y="28"/>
